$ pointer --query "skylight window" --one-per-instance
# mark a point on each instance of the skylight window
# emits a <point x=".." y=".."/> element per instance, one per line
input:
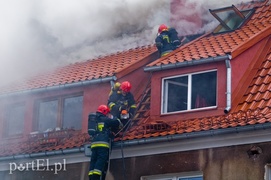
<point x="230" y="18"/>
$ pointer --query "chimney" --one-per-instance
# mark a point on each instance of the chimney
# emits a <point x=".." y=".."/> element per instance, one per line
<point x="186" y="17"/>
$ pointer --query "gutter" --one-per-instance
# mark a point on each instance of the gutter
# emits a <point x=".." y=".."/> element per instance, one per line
<point x="42" y="154"/>
<point x="197" y="134"/>
<point x="63" y="86"/>
<point x="186" y="63"/>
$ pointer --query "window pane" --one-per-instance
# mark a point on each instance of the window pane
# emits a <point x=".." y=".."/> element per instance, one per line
<point x="190" y="92"/>
<point x="47" y="117"/>
<point x="191" y="178"/>
<point x="203" y="90"/>
<point x="177" y="94"/>
<point x="15" y="120"/>
<point x="72" y="115"/>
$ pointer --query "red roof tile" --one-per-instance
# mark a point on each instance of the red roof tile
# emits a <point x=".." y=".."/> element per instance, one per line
<point x="102" y="67"/>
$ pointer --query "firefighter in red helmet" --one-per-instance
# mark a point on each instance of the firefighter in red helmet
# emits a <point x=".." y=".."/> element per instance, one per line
<point x="122" y="103"/>
<point x="167" y="40"/>
<point x="162" y="41"/>
<point x="101" y="141"/>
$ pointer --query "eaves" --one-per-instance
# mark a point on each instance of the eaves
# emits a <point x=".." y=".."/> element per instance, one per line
<point x="187" y="63"/>
<point x="61" y="86"/>
<point x="240" y="135"/>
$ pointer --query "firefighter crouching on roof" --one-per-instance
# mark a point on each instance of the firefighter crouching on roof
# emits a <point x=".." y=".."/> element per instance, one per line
<point x="101" y="142"/>
<point x="122" y="101"/>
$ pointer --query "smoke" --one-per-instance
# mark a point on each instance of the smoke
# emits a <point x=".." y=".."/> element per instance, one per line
<point x="39" y="35"/>
<point x="188" y="15"/>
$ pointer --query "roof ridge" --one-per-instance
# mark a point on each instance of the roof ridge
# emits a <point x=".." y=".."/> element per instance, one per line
<point x="253" y="39"/>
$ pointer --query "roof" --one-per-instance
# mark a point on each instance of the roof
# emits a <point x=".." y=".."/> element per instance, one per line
<point x="232" y="43"/>
<point x="252" y="108"/>
<point x="94" y="69"/>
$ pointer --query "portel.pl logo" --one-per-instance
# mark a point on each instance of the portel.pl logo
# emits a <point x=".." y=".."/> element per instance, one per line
<point x="38" y="165"/>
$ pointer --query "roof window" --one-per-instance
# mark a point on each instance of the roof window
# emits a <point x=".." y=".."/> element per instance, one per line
<point x="230" y="18"/>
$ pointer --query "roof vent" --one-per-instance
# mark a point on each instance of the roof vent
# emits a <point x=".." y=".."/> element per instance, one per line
<point x="157" y="126"/>
<point x="230" y="18"/>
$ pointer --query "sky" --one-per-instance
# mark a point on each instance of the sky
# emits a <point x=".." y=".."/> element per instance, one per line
<point x="37" y="36"/>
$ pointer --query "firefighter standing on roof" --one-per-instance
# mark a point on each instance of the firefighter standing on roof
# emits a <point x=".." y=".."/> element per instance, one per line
<point x="122" y="100"/>
<point x="167" y="40"/>
<point x="101" y="143"/>
<point x="162" y="41"/>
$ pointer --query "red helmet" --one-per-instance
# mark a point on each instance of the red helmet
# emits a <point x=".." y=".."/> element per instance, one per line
<point x="126" y="86"/>
<point x="103" y="109"/>
<point x="162" y="27"/>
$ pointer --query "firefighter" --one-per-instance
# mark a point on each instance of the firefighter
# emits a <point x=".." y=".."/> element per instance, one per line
<point x="162" y="41"/>
<point x="122" y="101"/>
<point x="115" y="87"/>
<point x="101" y="141"/>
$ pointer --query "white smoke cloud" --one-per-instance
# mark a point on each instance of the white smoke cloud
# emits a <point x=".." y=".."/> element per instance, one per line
<point x="38" y="35"/>
<point x="198" y="9"/>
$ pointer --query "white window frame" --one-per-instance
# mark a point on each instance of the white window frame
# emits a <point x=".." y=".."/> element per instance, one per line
<point x="164" y="104"/>
<point x="267" y="175"/>
<point x="173" y="176"/>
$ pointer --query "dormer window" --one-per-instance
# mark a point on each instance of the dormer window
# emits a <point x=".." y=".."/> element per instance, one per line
<point x="189" y="92"/>
<point x="230" y="18"/>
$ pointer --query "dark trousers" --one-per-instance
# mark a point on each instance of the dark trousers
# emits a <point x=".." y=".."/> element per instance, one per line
<point x="99" y="160"/>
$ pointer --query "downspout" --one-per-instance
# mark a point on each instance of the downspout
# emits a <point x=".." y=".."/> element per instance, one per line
<point x="228" y="92"/>
<point x="112" y="82"/>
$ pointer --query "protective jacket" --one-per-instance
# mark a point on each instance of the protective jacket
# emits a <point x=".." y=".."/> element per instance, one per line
<point x="163" y="43"/>
<point x="100" y="146"/>
<point x="104" y="133"/>
<point x="118" y="102"/>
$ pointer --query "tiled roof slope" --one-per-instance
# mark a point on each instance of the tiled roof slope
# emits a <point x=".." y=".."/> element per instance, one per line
<point x="72" y="140"/>
<point x="208" y="46"/>
<point x="258" y="94"/>
<point x="101" y="67"/>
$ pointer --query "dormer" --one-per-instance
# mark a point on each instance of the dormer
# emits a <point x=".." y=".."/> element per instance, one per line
<point x="189" y="89"/>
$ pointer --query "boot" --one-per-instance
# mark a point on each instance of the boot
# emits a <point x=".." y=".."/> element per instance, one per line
<point x="95" y="177"/>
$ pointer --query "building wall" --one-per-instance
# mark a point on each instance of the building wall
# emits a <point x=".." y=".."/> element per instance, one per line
<point x="226" y="163"/>
<point x="77" y="171"/>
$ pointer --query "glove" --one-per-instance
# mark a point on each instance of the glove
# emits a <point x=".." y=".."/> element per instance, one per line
<point x="122" y="107"/>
